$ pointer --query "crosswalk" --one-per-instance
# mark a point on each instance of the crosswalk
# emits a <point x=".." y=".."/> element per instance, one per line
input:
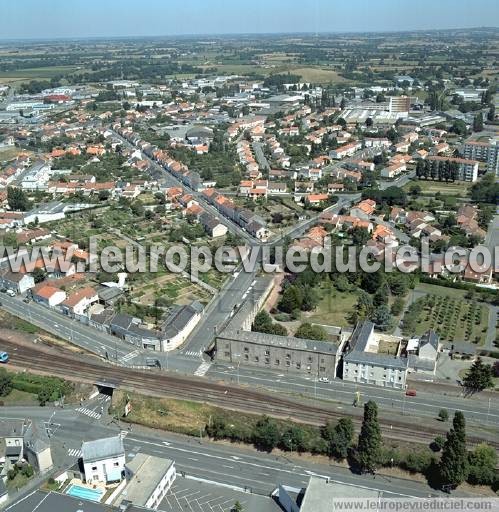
<point x="123" y="434"/>
<point x="88" y="412"/>
<point x="74" y="452"/>
<point x="129" y="356"/>
<point x="193" y="353"/>
<point x="202" y="369"/>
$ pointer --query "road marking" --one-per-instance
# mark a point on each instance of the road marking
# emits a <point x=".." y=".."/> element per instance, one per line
<point x="88" y="412"/>
<point x="74" y="452"/>
<point x="129" y="356"/>
<point x="203" y="369"/>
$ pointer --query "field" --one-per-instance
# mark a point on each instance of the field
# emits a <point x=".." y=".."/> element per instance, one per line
<point x="319" y="75"/>
<point x="459" y="189"/>
<point x="334" y="308"/>
<point x="451" y="316"/>
<point x="41" y="73"/>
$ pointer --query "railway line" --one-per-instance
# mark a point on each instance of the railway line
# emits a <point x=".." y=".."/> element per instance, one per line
<point x="39" y="358"/>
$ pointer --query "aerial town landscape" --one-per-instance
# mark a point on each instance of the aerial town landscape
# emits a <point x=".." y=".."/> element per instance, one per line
<point x="250" y="269"/>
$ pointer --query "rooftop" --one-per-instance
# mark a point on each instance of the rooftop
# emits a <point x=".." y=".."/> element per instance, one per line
<point x="99" y="449"/>
<point x="146" y="471"/>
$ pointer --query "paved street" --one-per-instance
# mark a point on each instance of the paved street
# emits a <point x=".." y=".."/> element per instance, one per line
<point x="214" y="463"/>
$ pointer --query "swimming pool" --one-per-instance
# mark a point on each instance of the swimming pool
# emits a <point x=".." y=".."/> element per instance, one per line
<point x="84" y="493"/>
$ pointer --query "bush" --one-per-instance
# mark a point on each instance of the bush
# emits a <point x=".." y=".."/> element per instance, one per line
<point x="443" y="415"/>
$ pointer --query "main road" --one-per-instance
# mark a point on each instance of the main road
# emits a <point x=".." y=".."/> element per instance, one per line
<point x="199" y="458"/>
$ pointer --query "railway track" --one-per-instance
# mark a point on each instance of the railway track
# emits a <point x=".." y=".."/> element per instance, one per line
<point x="63" y="363"/>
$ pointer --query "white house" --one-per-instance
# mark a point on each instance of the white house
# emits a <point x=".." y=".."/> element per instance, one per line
<point x="79" y="301"/>
<point x="179" y="324"/>
<point x="103" y="460"/>
<point x="16" y="281"/>
<point x="49" y="296"/>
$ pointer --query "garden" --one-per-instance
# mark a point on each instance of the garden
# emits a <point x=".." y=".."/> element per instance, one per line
<point x="453" y="318"/>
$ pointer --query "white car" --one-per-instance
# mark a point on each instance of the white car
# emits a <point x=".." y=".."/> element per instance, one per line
<point x="324" y="379"/>
<point x="11" y="293"/>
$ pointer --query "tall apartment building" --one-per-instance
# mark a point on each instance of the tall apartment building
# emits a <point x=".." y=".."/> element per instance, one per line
<point x="467" y="170"/>
<point x="483" y="152"/>
<point x="399" y="104"/>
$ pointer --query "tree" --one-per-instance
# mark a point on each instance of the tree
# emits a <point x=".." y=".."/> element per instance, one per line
<point x="370" y="442"/>
<point x="5" y="383"/>
<point x="266" y="434"/>
<point x="478" y="122"/>
<point x="491" y="115"/>
<point x="443" y="415"/>
<point x="382" y="317"/>
<point x="263" y="323"/>
<point x="17" y="199"/>
<point x="339" y="437"/>
<point x="453" y="467"/>
<point x="479" y="376"/>
<point x="311" y="332"/>
<point x="291" y="299"/>
<point x="237" y="507"/>
<point x="397" y="306"/>
<point x="38" y="275"/>
<point x="293" y="438"/>
<point x="482" y="465"/>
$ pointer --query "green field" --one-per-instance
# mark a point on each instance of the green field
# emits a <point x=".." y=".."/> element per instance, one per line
<point x="460" y="189"/>
<point x="334" y="308"/>
<point x="36" y="73"/>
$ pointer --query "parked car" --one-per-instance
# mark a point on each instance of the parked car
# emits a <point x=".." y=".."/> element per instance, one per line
<point x="324" y="379"/>
<point x="410" y="392"/>
<point x="11" y="293"/>
<point x="4" y="357"/>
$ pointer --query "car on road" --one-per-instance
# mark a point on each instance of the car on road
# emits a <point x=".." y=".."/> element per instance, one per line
<point x="324" y="379"/>
<point x="410" y="392"/>
<point x="26" y="299"/>
<point x="11" y="293"/>
<point x="4" y="357"/>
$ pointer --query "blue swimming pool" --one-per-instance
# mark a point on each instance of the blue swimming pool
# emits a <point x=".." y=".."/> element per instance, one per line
<point x="84" y="493"/>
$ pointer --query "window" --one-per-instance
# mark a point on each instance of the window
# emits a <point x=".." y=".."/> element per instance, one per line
<point x="288" y="363"/>
<point x="116" y="464"/>
<point x="267" y="360"/>
<point x="277" y="362"/>
<point x="322" y="359"/>
<point x="309" y="359"/>
<point x="246" y="349"/>
<point x="298" y="366"/>
<point x="267" y="352"/>
<point x="246" y="357"/>
<point x="257" y="359"/>
<point x="322" y="369"/>
<point x="226" y="354"/>
<point x="94" y="468"/>
<point x="288" y="356"/>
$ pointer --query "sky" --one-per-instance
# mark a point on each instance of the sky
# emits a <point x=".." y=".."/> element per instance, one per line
<point x="35" y="19"/>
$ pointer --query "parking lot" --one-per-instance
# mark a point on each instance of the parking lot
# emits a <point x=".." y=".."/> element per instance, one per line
<point x="194" y="496"/>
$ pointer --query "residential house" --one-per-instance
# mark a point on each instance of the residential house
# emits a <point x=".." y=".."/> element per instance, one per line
<point x="103" y="460"/>
<point x="78" y="302"/>
<point x="48" y="295"/>
<point x="18" y="282"/>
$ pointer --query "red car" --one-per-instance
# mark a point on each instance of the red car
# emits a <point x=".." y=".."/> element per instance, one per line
<point x="410" y="392"/>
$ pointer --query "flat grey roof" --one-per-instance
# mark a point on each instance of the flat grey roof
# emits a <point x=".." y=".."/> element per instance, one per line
<point x="320" y="494"/>
<point x="147" y="473"/>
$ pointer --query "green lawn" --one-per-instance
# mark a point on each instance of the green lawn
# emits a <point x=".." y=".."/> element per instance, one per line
<point x="334" y="308"/>
<point x="459" y="189"/>
<point x="16" y="397"/>
<point x="38" y="73"/>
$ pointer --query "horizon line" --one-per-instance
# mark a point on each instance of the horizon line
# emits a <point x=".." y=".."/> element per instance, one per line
<point x="239" y="34"/>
